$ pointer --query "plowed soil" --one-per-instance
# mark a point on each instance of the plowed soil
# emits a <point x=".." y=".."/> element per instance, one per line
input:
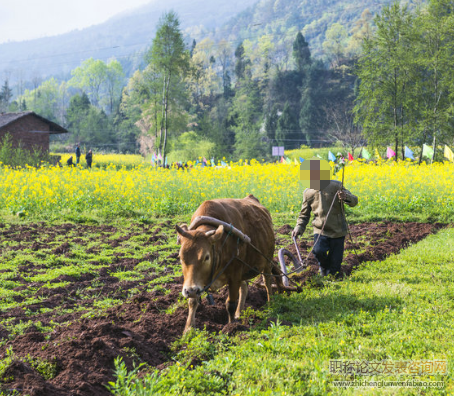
<point x="141" y="329"/>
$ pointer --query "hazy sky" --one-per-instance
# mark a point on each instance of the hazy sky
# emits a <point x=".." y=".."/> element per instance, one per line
<point x="28" y="19"/>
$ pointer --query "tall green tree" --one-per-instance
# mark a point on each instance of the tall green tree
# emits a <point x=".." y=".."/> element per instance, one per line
<point x="288" y="133"/>
<point x="89" y="78"/>
<point x="246" y="112"/>
<point x="171" y="60"/>
<point x="242" y="63"/>
<point x="79" y="106"/>
<point x="313" y="91"/>
<point x="385" y="105"/>
<point x="301" y="52"/>
<point x="435" y="57"/>
<point x="6" y="93"/>
<point x="335" y="44"/>
<point x="114" y="83"/>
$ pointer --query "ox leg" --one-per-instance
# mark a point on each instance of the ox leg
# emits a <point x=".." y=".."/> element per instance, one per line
<point x="193" y="303"/>
<point x="242" y="299"/>
<point x="278" y="278"/>
<point x="232" y="300"/>
<point x="268" y="282"/>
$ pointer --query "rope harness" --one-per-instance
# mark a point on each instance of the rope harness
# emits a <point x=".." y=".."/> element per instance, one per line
<point x="244" y="238"/>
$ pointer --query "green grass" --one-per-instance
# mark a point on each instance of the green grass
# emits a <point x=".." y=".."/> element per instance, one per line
<point x="397" y="309"/>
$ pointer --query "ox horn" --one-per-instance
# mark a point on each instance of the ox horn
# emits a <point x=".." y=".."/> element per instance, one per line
<point x="215" y="235"/>
<point x="182" y="231"/>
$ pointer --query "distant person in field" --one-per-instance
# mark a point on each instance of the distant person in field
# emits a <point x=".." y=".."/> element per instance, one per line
<point x="317" y="198"/>
<point x="77" y="154"/>
<point x="69" y="161"/>
<point x="89" y="158"/>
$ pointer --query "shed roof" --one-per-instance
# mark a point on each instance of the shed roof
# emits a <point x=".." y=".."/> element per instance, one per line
<point x="8" y="118"/>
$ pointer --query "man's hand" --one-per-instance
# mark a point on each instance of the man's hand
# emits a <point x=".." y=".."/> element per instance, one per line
<point x="297" y="231"/>
<point x="342" y="195"/>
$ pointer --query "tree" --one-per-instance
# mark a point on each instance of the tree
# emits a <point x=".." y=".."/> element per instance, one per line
<point x="114" y="83"/>
<point x="78" y="109"/>
<point x="169" y="57"/>
<point x="434" y="55"/>
<point x="224" y="52"/>
<point x="288" y="133"/>
<point x="6" y="94"/>
<point x="45" y="99"/>
<point x="89" y="77"/>
<point x="385" y="105"/>
<point x="202" y="81"/>
<point x="246" y="113"/>
<point x="313" y="91"/>
<point x="241" y="63"/>
<point x="301" y="52"/>
<point x="335" y="44"/>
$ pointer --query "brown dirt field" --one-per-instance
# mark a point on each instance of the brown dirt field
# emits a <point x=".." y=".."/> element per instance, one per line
<point x="139" y="329"/>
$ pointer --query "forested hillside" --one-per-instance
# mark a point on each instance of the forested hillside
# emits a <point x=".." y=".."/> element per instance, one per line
<point x="237" y="95"/>
<point x="128" y="35"/>
<point x="124" y="37"/>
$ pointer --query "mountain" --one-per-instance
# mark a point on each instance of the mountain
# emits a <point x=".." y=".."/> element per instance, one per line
<point x="125" y="37"/>
<point x="282" y="19"/>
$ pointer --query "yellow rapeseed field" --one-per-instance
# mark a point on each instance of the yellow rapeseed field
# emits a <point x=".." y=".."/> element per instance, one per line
<point x="383" y="189"/>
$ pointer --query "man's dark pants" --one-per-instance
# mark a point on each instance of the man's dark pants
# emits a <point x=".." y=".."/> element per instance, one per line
<point x="329" y="252"/>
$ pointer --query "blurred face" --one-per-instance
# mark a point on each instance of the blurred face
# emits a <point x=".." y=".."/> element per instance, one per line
<point x="315" y="173"/>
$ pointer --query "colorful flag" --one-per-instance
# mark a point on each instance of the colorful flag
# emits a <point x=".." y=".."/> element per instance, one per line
<point x="212" y="161"/>
<point x="204" y="160"/>
<point x="427" y="151"/>
<point x="408" y="153"/>
<point x="282" y="160"/>
<point x="448" y="153"/>
<point x="223" y="163"/>
<point x="331" y="156"/>
<point x="301" y="159"/>
<point x="295" y="161"/>
<point x="390" y="153"/>
<point x="318" y="155"/>
<point x="288" y="160"/>
<point x="165" y="162"/>
<point x="365" y="153"/>
<point x="159" y="157"/>
<point x="350" y="157"/>
<point x="377" y="154"/>
<point x="153" y="157"/>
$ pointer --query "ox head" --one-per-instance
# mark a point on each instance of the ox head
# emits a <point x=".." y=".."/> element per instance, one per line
<point x="196" y="257"/>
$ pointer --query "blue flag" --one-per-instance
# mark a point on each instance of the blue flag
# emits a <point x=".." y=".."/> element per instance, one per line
<point x="331" y="156"/>
<point x="408" y="153"/>
<point x="223" y="163"/>
<point x="301" y="159"/>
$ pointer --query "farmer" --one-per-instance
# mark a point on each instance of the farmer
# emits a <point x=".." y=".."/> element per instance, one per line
<point x="77" y="154"/>
<point x="89" y="158"/>
<point x="69" y="161"/>
<point x="330" y="228"/>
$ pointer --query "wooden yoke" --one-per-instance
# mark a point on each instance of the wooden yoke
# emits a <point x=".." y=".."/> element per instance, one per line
<point x="216" y="222"/>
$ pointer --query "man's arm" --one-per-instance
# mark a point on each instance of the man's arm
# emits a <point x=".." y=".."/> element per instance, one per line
<point x="303" y="218"/>
<point x="348" y="197"/>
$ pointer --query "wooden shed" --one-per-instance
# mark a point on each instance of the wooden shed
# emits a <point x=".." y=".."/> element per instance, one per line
<point x="29" y="130"/>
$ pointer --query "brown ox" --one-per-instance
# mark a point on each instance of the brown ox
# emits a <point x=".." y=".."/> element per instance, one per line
<point x="198" y="246"/>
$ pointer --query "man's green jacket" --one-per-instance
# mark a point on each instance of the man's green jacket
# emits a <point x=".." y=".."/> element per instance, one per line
<point x="319" y="202"/>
